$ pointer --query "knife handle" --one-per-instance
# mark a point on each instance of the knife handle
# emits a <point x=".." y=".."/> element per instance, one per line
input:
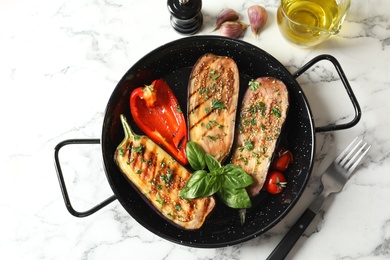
<point x="287" y="243"/>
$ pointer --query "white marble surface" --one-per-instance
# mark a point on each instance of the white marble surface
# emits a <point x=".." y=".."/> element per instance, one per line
<point x="59" y="62"/>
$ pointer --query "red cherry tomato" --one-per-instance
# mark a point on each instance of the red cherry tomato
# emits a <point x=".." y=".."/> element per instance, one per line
<point x="275" y="182"/>
<point x="283" y="159"/>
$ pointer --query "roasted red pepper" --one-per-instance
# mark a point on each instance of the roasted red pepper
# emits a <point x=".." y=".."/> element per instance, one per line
<point x="157" y="113"/>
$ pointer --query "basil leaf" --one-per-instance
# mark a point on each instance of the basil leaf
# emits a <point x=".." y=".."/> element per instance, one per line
<point x="235" y="177"/>
<point x="228" y="181"/>
<point x="235" y="198"/>
<point x="196" y="177"/>
<point x="195" y="186"/>
<point x="212" y="163"/>
<point x="212" y="185"/>
<point x="218" y="171"/>
<point x="196" y="156"/>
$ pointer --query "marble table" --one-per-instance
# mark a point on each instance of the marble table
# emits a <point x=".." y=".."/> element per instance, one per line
<point x="60" y="61"/>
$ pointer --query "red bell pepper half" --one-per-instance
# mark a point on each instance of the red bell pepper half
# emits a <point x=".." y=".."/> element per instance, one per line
<point x="157" y="113"/>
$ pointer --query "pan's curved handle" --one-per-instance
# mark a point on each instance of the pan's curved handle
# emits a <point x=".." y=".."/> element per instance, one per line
<point x="62" y="182"/>
<point x="358" y="112"/>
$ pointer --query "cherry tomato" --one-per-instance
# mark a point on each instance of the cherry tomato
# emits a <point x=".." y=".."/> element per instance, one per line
<point x="283" y="159"/>
<point x="275" y="182"/>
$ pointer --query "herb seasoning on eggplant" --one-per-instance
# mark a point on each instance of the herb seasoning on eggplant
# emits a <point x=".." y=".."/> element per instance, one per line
<point x="159" y="179"/>
<point x="263" y="112"/>
<point x="213" y="96"/>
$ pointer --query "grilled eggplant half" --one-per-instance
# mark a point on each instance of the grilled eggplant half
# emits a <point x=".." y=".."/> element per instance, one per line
<point x="159" y="179"/>
<point x="212" y="104"/>
<point x="263" y="112"/>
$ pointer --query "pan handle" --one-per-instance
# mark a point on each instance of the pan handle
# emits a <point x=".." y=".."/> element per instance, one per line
<point x="358" y="112"/>
<point x="62" y="182"/>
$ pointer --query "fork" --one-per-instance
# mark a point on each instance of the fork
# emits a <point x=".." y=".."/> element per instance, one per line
<point x="333" y="180"/>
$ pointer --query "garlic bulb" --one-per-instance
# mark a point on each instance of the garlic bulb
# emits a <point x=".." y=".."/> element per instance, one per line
<point x="232" y="29"/>
<point x="224" y="16"/>
<point x="257" y="18"/>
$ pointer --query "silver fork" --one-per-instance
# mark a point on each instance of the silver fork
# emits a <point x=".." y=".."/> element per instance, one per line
<point x="333" y="180"/>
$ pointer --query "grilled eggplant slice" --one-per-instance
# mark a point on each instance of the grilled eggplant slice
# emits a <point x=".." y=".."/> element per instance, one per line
<point x="159" y="179"/>
<point x="263" y="112"/>
<point x="212" y="104"/>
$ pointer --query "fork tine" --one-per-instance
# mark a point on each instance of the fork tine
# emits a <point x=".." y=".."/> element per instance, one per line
<point x="358" y="160"/>
<point x="350" y="158"/>
<point x="345" y="153"/>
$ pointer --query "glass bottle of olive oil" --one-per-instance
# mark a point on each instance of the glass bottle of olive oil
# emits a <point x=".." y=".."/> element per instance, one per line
<point x="309" y="22"/>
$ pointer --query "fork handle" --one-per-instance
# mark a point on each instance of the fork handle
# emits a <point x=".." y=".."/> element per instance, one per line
<point x="287" y="243"/>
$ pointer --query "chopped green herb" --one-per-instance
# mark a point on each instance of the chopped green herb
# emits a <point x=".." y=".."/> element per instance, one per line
<point x="214" y="75"/>
<point x="138" y="149"/>
<point x="256" y="155"/>
<point x="253" y="85"/>
<point x="255" y="108"/>
<point x="262" y="108"/>
<point x="160" y="202"/>
<point x="249" y="145"/>
<point x="214" y="138"/>
<point x="167" y="177"/>
<point x="162" y="163"/>
<point x="244" y="159"/>
<point x="251" y="121"/>
<point x="276" y="112"/>
<point x="217" y="104"/>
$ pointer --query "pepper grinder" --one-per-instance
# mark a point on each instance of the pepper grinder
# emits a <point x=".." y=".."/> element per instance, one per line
<point x="186" y="15"/>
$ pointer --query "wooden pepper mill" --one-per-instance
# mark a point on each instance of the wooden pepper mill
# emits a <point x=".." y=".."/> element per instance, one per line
<point x="186" y="15"/>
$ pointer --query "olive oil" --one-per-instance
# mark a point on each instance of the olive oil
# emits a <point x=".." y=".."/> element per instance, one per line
<point x="309" y="22"/>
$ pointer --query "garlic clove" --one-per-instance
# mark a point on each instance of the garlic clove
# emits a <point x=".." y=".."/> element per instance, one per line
<point x="232" y="29"/>
<point x="225" y="15"/>
<point x="257" y="18"/>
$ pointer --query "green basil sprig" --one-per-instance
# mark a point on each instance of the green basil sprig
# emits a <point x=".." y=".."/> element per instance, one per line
<point x="228" y="181"/>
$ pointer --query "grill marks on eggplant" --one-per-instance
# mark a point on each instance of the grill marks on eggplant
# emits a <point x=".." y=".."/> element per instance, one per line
<point x="213" y="95"/>
<point x="263" y="112"/>
<point x="212" y="108"/>
<point x="159" y="178"/>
